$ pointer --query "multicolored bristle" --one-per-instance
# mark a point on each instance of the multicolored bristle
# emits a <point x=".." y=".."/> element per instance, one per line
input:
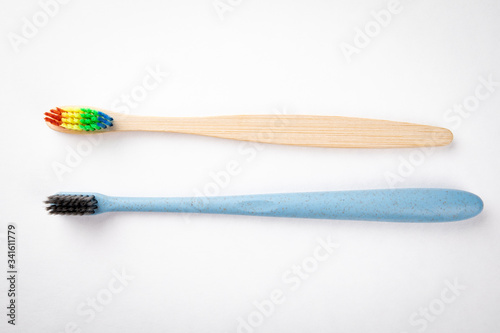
<point x="79" y="119"/>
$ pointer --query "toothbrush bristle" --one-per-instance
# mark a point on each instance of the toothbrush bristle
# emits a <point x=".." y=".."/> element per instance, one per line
<point x="79" y="119"/>
<point x="65" y="204"/>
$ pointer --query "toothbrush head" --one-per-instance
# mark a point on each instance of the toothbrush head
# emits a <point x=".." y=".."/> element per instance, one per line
<point x="65" y="204"/>
<point x="79" y="119"/>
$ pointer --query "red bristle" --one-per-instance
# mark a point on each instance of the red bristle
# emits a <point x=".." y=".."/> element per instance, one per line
<point x="52" y="121"/>
<point x="56" y="111"/>
<point x="53" y="115"/>
<point x="60" y="110"/>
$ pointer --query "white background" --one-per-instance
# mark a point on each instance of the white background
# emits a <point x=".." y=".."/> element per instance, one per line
<point x="204" y="273"/>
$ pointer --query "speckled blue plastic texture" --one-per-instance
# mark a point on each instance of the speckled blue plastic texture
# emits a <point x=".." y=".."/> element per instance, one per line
<point x="397" y="205"/>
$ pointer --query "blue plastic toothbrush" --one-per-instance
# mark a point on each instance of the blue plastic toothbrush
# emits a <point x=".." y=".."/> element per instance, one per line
<point x="397" y="205"/>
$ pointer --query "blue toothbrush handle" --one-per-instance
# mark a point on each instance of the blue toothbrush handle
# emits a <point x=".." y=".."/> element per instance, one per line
<point x="402" y="205"/>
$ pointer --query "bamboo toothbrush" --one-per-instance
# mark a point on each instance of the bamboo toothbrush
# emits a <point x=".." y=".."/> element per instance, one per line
<point x="313" y="131"/>
<point x="403" y="205"/>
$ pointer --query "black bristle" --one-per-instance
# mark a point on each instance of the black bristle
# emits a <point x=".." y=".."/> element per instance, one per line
<point x="62" y="204"/>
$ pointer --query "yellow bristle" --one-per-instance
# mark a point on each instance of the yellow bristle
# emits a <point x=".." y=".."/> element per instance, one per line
<point x="71" y="127"/>
<point x="70" y="120"/>
<point x="70" y="109"/>
<point x="71" y="115"/>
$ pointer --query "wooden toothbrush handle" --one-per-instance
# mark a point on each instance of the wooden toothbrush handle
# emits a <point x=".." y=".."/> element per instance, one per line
<point x="312" y="131"/>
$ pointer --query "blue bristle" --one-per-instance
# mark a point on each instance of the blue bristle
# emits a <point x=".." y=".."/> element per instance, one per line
<point x="102" y="114"/>
<point x="105" y="121"/>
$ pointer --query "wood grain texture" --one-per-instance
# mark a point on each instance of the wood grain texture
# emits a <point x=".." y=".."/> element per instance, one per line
<point x="312" y="131"/>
